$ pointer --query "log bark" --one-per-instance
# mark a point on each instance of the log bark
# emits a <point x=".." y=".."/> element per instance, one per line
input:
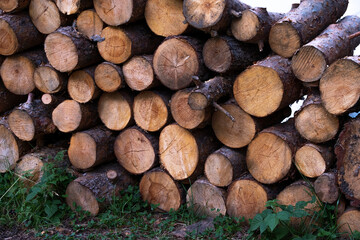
<point x="69" y="7"/>
<point x="225" y="165"/>
<point x="115" y="110"/>
<point x="266" y="86"/>
<point x="338" y="93"/>
<point x="326" y="187"/>
<point x="13" y="5"/>
<point x="92" y="147"/>
<point x="109" y="77"/>
<point x="311" y="60"/>
<point x="303" y="23"/>
<point x="49" y="80"/>
<point x="136" y="150"/>
<point x="89" y="23"/>
<point x="67" y="50"/>
<point x="8" y="99"/>
<point x="348" y="222"/>
<point x="118" y="12"/>
<point x="121" y="43"/>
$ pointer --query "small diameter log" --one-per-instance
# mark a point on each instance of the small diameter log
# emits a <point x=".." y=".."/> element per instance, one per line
<point x="226" y="54"/>
<point x="177" y="60"/>
<point x="326" y="187"/>
<point x="139" y="73"/>
<point x="87" y="190"/>
<point x="254" y="25"/>
<point x="266" y="86"/>
<point x="208" y="15"/>
<point x="313" y="160"/>
<point x="339" y="93"/>
<point x="184" y="115"/>
<point x="18" y="33"/>
<point x="91" y="147"/>
<point x="13" y="5"/>
<point x="68" y="50"/>
<point x="53" y="100"/>
<point x="165" y="18"/>
<point x="49" y="80"/>
<point x="183" y="153"/>
<point x="115" y="110"/>
<point x="69" y="7"/>
<point x="109" y="77"/>
<point x="225" y="165"/>
<point x="311" y="60"/>
<point x="349" y="222"/>
<point x="89" y="23"/>
<point x="46" y="16"/>
<point x="136" y="150"/>
<point x="270" y="155"/>
<point x="17" y="71"/>
<point x="8" y="99"/>
<point x="121" y="43"/>
<point x="70" y="115"/>
<point x="158" y="187"/>
<point x="303" y="23"/>
<point x="151" y="110"/>
<point x="313" y="122"/>
<point x="118" y="12"/>
<point x="206" y="199"/>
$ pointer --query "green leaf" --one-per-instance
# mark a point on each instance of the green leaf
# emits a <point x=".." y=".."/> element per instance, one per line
<point x="263" y="227"/>
<point x="300" y="213"/>
<point x="255" y="222"/>
<point x="50" y="210"/>
<point x="33" y="193"/>
<point x="284" y="215"/>
<point x="281" y="231"/>
<point x="272" y="221"/>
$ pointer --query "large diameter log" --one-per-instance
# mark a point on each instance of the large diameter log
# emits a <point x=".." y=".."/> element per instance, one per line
<point x="89" y="23"/>
<point x="81" y="85"/>
<point x="348" y="222"/>
<point x="157" y="187"/>
<point x="91" y="147"/>
<point x="225" y="165"/>
<point x="121" y="43"/>
<point x="311" y="60"/>
<point x="210" y="15"/>
<point x="136" y="150"/>
<point x="266" y="86"/>
<point x="339" y="86"/>
<point x="303" y="23"/>
<point x="68" y="50"/>
<point x="13" y="5"/>
<point x="70" y="115"/>
<point x="225" y="54"/>
<point x="109" y="77"/>
<point x="206" y="199"/>
<point x="313" y="122"/>
<point x="69" y="7"/>
<point x="8" y="99"/>
<point x="115" y="110"/>
<point x="17" y="71"/>
<point x="103" y="183"/>
<point x="326" y="187"/>
<point x="177" y="60"/>
<point x="18" y="33"/>
<point x="183" y="153"/>
<point x="118" y="12"/>
<point x="49" y="80"/>
<point x="151" y="110"/>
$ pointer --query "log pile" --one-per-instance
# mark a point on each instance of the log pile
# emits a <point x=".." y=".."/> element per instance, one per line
<point x="199" y="105"/>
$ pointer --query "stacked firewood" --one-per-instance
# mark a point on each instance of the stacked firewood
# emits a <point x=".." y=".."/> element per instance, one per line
<point x="186" y="99"/>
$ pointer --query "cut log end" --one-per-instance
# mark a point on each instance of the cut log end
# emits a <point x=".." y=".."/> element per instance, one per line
<point x="8" y="41"/>
<point x="114" y="13"/>
<point x="67" y="116"/>
<point x="30" y="169"/>
<point x="9" y="151"/>
<point x="80" y="196"/>
<point x="47" y="80"/>
<point x="219" y="170"/>
<point x="198" y="101"/>
<point x="349" y="222"/>
<point x="81" y="86"/>
<point x="82" y="147"/>
<point x="22" y="125"/>
<point x="139" y="74"/>
<point x="89" y="23"/>
<point x="284" y="39"/>
<point x="108" y="77"/>
<point x="9" y="5"/>
<point x="68" y="7"/>
<point x="326" y="188"/>
<point x="217" y="55"/>
<point x="309" y="161"/>
<point x="246" y="27"/>
<point x="45" y="15"/>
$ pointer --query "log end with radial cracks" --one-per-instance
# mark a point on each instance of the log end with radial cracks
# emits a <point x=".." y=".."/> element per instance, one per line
<point x="8" y="40"/>
<point x="139" y="73"/>
<point x="108" y="77"/>
<point x="45" y="15"/>
<point x="81" y="86"/>
<point x="89" y="23"/>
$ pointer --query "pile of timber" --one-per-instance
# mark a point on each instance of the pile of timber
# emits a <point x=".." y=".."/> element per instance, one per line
<point x="186" y="99"/>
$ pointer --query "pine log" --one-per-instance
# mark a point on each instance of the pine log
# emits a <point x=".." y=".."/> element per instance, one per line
<point x="326" y="187"/>
<point x="13" y="5"/>
<point x="184" y="115"/>
<point x="69" y="7"/>
<point x="70" y="115"/>
<point x="313" y="122"/>
<point x="266" y="86"/>
<point x="118" y="12"/>
<point x="91" y="147"/>
<point x="254" y="25"/>
<point x="225" y="165"/>
<point x="139" y="73"/>
<point x="9" y="100"/>
<point x="303" y="23"/>
<point x="311" y="60"/>
<point x="17" y="71"/>
<point x="177" y="60"/>
<point x="226" y="54"/>
<point x="18" y="33"/>
<point x="49" y="80"/>
<point x="270" y="155"/>
<point x="165" y="18"/>
<point x="109" y="77"/>
<point x="89" y="23"/>
<point x="313" y="160"/>
<point x="136" y="150"/>
<point x="46" y="16"/>
<point x="339" y="86"/>
<point x="349" y="222"/>
<point x="115" y="109"/>
<point x="206" y="199"/>
<point x="67" y="50"/>
<point x="158" y="187"/>
<point x="81" y="85"/>
<point x="151" y="110"/>
<point x="53" y="100"/>
<point x="93" y="191"/>
<point x="208" y="15"/>
<point x="121" y="43"/>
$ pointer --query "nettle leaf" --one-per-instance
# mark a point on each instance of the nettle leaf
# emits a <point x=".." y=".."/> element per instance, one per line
<point x="263" y="227"/>
<point x="272" y="221"/>
<point x="33" y="193"/>
<point x="255" y="222"/>
<point x="284" y="215"/>
<point x="300" y="213"/>
<point x="50" y="210"/>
